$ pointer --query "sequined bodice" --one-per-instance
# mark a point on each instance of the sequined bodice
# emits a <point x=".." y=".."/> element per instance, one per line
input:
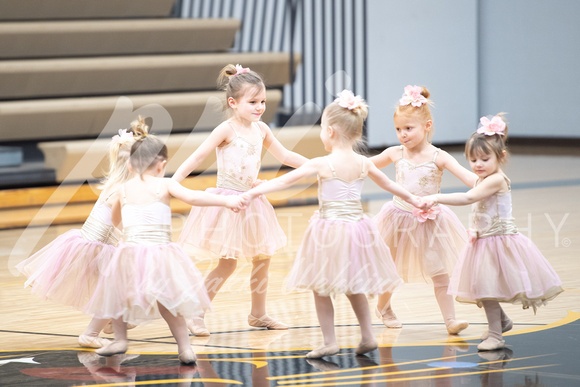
<point x="98" y="227"/>
<point x="239" y="161"/>
<point x="419" y="179"/>
<point x="339" y="199"/>
<point x="493" y="216"/>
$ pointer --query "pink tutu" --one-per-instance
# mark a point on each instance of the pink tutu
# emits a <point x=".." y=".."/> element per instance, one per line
<point x="226" y="234"/>
<point x="341" y="257"/>
<point x="506" y="268"/>
<point x="140" y="276"/>
<point x="67" y="269"/>
<point x="421" y="250"/>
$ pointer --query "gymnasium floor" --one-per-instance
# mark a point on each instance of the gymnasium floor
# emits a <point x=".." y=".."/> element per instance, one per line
<point x="38" y="339"/>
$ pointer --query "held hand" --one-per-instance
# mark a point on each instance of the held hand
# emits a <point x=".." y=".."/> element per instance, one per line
<point x="418" y="202"/>
<point x="428" y="202"/>
<point x="235" y="203"/>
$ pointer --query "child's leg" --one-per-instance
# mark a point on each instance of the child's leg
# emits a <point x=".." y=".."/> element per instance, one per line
<point x="494" y="339"/>
<point x="121" y="342"/>
<point x="178" y="329"/>
<point x="360" y="307"/>
<point x="259" y="288"/>
<point x="506" y="324"/>
<point x="90" y="337"/>
<point x="445" y="301"/>
<point x="325" y="313"/>
<point x="213" y="283"/>
<point x="385" y="313"/>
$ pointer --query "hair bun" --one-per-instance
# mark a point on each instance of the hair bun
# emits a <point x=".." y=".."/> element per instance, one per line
<point x="140" y="128"/>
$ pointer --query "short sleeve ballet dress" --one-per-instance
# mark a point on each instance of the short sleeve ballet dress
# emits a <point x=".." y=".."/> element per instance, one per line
<point x="253" y="233"/>
<point x="68" y="268"/>
<point x="422" y="250"/>
<point x="342" y="252"/>
<point x="500" y="263"/>
<point x="148" y="268"/>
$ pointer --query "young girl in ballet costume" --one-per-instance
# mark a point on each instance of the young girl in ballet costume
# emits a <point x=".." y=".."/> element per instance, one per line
<point x="67" y="269"/>
<point x="254" y="232"/>
<point x="341" y="252"/>
<point x="499" y="264"/>
<point x="425" y="245"/>
<point x="149" y="275"/>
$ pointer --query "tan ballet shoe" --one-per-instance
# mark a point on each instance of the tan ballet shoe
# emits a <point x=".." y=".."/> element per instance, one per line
<point x="87" y="341"/>
<point x="197" y="327"/>
<point x="366" y="347"/>
<point x="187" y="357"/>
<point x="389" y="319"/>
<point x="266" y="322"/>
<point x="505" y="327"/>
<point x="115" y="348"/>
<point x="323" y="351"/>
<point x="491" y="344"/>
<point x="456" y="326"/>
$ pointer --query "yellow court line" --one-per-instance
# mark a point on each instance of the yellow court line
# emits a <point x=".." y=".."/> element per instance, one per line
<point x="420" y="370"/>
<point x="419" y="377"/>
<point x="146" y="382"/>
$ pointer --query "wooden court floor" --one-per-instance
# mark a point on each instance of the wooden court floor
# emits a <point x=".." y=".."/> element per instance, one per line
<point x="38" y="339"/>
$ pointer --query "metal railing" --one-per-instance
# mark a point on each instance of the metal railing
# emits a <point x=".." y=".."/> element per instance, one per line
<point x="330" y="35"/>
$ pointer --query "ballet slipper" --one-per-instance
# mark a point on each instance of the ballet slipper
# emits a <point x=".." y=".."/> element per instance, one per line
<point x="456" y="326"/>
<point x="187" y="357"/>
<point x="115" y="348"/>
<point x="87" y="341"/>
<point x="266" y="322"/>
<point x="366" y="347"/>
<point x="323" y="350"/>
<point x="389" y="319"/>
<point x="505" y="327"/>
<point x="323" y="365"/>
<point x="197" y="327"/>
<point x="491" y="344"/>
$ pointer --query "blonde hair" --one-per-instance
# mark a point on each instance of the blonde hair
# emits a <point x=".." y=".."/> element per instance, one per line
<point x="237" y="84"/>
<point x="147" y="150"/>
<point x="348" y="123"/>
<point x="422" y="111"/>
<point x="482" y="143"/>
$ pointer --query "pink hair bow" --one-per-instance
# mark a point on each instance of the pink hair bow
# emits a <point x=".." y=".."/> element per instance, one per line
<point x="472" y="235"/>
<point x="241" y="70"/>
<point x="490" y="127"/>
<point x="412" y="95"/>
<point x="348" y="100"/>
<point x="122" y="136"/>
<point x="422" y="216"/>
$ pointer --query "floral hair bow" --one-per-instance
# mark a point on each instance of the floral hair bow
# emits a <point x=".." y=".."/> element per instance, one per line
<point x="122" y="136"/>
<point x="241" y="70"/>
<point x="422" y="216"/>
<point x="348" y="100"/>
<point x="490" y="127"/>
<point x="412" y="95"/>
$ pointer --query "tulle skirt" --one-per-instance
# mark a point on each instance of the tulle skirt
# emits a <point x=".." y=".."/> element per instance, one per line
<point x="506" y="268"/>
<point x="67" y="269"/>
<point x="253" y="232"/>
<point x="421" y="250"/>
<point x="140" y="276"/>
<point x="340" y="257"/>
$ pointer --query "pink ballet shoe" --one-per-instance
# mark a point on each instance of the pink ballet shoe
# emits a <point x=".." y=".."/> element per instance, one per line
<point x="323" y="351"/>
<point x="366" y="347"/>
<point x="197" y="327"/>
<point x="389" y="319"/>
<point x="456" y="326"/>
<point x="491" y="344"/>
<point x="187" y="357"/>
<point x="505" y="327"/>
<point x="266" y="322"/>
<point x="115" y="348"/>
<point x="87" y="341"/>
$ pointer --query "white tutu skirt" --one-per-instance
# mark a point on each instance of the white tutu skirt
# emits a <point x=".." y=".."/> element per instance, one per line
<point x="506" y="268"/>
<point x="139" y="277"/>
<point x="249" y="233"/>
<point x="67" y="269"/>
<point x="422" y="250"/>
<point x="341" y="257"/>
